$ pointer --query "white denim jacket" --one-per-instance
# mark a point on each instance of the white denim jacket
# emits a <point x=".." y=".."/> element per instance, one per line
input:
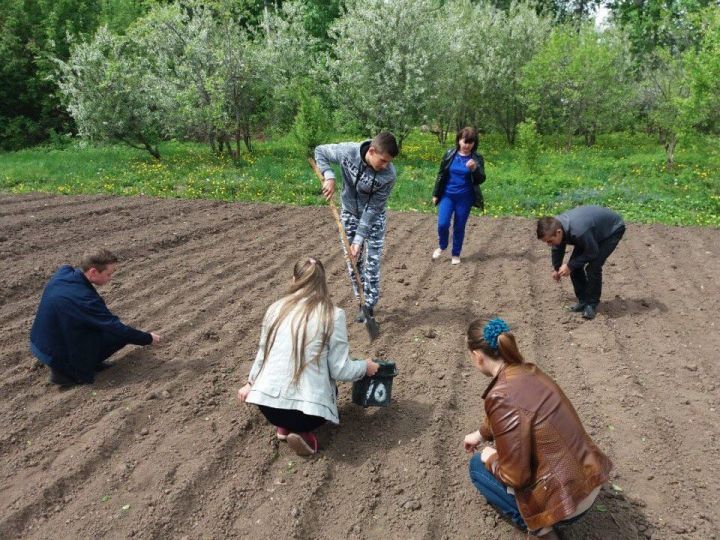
<point x="315" y="392"/>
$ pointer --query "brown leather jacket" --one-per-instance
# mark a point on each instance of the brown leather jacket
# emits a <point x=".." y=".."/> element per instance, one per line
<point x="543" y="451"/>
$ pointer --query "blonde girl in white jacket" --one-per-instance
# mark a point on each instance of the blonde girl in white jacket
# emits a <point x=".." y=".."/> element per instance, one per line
<point x="303" y="351"/>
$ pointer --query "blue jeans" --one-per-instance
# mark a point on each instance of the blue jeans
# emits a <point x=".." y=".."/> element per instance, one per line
<point x="494" y="491"/>
<point x="460" y="205"/>
<point x="496" y="494"/>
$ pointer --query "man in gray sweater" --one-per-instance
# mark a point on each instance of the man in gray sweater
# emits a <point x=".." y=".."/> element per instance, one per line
<point x="368" y="178"/>
<point x="595" y="232"/>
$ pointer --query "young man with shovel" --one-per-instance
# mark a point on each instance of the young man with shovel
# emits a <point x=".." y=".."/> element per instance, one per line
<point x="368" y="178"/>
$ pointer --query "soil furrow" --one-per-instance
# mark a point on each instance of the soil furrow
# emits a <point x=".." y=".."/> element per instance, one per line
<point x="159" y="446"/>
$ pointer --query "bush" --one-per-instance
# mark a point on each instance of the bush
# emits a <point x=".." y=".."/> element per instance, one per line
<point x="309" y="128"/>
<point x="529" y="143"/>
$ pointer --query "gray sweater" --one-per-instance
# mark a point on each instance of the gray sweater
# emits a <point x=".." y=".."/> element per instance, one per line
<point x="365" y="192"/>
<point x="585" y="227"/>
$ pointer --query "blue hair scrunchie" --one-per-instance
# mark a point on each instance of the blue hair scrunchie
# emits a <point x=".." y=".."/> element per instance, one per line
<point x="492" y="331"/>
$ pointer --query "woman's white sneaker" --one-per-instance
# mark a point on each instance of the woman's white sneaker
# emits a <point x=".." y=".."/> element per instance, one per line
<point x="455" y="260"/>
<point x="436" y="254"/>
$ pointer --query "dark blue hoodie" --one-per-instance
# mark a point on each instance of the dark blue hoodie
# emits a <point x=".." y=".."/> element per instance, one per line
<point x="73" y="326"/>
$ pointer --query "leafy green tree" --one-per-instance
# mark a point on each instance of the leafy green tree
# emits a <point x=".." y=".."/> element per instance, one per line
<point x="31" y="34"/>
<point x="480" y="85"/>
<point x="228" y="79"/>
<point x="383" y="55"/>
<point x="578" y="83"/>
<point x="662" y="90"/>
<point x="529" y="144"/>
<point x="114" y="90"/>
<point x="668" y="24"/>
<point x="293" y="56"/>
<point x="510" y="40"/>
<point x="702" y="108"/>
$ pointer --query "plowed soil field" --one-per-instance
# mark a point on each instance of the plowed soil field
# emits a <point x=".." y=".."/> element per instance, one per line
<point x="159" y="447"/>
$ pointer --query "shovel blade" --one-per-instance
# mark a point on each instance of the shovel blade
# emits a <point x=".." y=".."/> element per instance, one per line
<point x="371" y="324"/>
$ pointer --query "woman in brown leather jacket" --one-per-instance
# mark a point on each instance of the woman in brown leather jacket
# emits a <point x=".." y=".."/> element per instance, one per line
<point x="544" y="469"/>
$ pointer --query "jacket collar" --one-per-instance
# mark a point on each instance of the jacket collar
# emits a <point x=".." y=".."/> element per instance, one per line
<point x="493" y="381"/>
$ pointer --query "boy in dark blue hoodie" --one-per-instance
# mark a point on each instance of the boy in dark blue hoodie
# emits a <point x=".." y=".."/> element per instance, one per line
<point x="74" y="331"/>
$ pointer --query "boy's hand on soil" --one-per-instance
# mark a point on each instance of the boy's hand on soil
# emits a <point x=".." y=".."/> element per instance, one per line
<point x="243" y="393"/>
<point x="328" y="188"/>
<point x="472" y="441"/>
<point x="555" y="275"/>
<point x="564" y="271"/>
<point x="156" y="338"/>
<point x="372" y="368"/>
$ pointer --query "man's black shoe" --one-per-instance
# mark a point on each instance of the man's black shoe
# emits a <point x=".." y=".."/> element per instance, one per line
<point x="589" y="312"/>
<point x="61" y="380"/>
<point x="577" y="308"/>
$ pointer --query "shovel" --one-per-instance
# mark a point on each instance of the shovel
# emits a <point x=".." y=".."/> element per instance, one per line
<point x="370" y="322"/>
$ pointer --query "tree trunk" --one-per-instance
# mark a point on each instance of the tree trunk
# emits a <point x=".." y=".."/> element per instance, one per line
<point x="154" y="152"/>
<point x="670" y="143"/>
<point x="247" y="140"/>
<point x="590" y="137"/>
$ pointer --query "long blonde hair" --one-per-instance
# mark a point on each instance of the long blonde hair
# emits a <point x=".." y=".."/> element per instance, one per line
<point x="310" y="288"/>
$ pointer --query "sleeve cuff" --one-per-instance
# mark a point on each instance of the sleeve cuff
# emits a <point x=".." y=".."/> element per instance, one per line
<point x="329" y="175"/>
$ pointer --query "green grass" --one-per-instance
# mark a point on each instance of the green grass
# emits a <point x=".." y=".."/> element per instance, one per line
<point x="624" y="172"/>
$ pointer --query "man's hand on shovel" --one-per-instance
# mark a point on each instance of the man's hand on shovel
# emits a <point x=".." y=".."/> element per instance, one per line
<point x="328" y="188"/>
<point x="354" y="251"/>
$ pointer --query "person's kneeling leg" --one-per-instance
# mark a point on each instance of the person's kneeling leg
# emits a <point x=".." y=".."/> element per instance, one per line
<point x="61" y="377"/>
<point x="494" y="491"/>
<point x="295" y="427"/>
<point x="110" y="345"/>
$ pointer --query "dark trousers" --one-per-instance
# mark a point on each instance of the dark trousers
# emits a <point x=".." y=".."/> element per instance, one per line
<point x="587" y="281"/>
<point x="292" y="420"/>
<point x="84" y="372"/>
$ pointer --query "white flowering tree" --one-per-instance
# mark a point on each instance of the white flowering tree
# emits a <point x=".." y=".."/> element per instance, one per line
<point x="450" y="99"/>
<point x="383" y="59"/>
<point x="114" y="91"/>
<point x="229" y="79"/>
<point x="191" y="43"/>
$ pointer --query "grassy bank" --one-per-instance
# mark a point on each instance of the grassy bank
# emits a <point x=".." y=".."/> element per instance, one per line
<point x="625" y="172"/>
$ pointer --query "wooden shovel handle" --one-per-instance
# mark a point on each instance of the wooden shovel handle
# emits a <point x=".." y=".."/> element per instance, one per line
<point x="341" y="230"/>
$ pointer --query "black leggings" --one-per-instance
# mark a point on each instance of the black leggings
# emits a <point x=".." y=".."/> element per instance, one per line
<point x="292" y="420"/>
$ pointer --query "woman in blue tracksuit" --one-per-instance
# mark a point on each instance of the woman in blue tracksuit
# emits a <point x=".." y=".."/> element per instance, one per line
<point x="457" y="190"/>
